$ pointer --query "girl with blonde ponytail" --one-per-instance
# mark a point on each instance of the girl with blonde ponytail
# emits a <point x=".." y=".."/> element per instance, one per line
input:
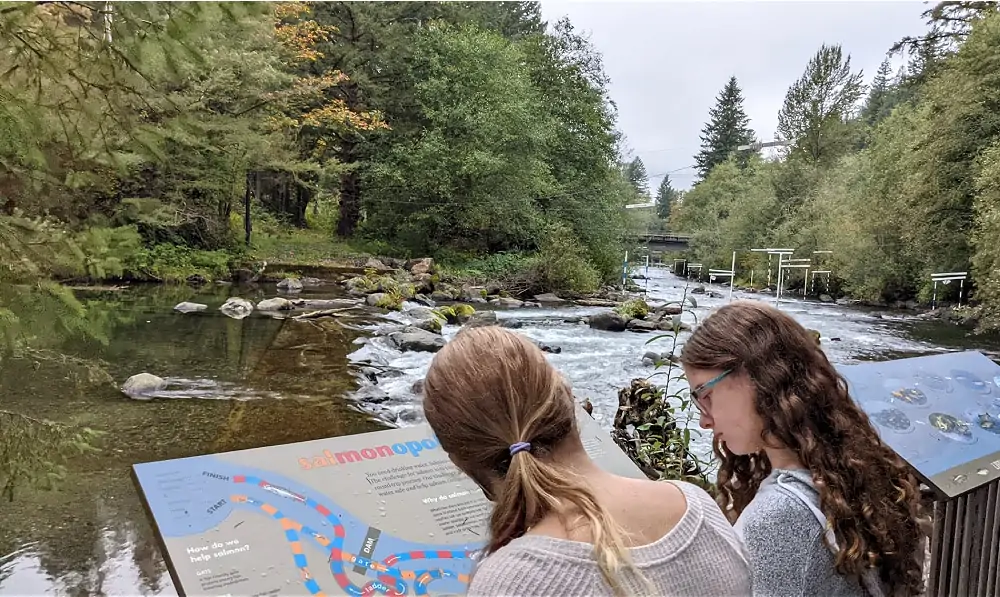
<point x="561" y="525"/>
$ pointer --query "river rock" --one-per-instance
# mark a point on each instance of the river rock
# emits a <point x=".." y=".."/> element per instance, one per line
<point x="699" y="289"/>
<point x="374" y="298"/>
<point x="139" y="386"/>
<point x="825" y="298"/>
<point x="640" y="325"/>
<point x="549" y="297"/>
<point x="424" y="300"/>
<point x="417" y="340"/>
<point x="546" y="347"/>
<point x="275" y="304"/>
<point x="417" y="267"/>
<point x="505" y="301"/>
<point x="422" y="283"/>
<point x="481" y="318"/>
<point x="417" y="387"/>
<point x="608" y="321"/>
<point x="236" y="307"/>
<point x="668" y="310"/>
<point x="290" y="285"/>
<point x="597" y="302"/>
<point x="373" y="263"/>
<point x="187" y="307"/>
<point x="443" y="294"/>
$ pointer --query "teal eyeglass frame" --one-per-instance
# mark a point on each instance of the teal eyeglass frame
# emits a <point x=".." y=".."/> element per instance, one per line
<point x="696" y="392"/>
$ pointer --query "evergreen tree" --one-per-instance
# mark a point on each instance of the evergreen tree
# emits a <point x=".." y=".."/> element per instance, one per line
<point x="818" y="108"/>
<point x="665" y="196"/>
<point x="728" y="128"/>
<point x="880" y="97"/>
<point x="635" y="173"/>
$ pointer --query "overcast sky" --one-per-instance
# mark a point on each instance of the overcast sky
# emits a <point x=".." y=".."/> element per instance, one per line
<point x="668" y="60"/>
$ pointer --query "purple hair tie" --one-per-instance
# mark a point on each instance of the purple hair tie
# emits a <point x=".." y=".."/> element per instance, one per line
<point x="519" y="447"/>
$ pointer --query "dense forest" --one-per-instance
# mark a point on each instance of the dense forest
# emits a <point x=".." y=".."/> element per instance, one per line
<point x="138" y="139"/>
<point x="899" y="178"/>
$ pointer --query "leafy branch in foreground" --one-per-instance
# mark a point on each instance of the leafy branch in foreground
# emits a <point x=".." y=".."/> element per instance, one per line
<point x="654" y="423"/>
<point x="32" y="451"/>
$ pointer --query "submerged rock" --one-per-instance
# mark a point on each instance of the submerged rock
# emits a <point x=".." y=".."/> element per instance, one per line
<point x="236" y="307"/>
<point x="141" y="385"/>
<point x="187" y="307"/>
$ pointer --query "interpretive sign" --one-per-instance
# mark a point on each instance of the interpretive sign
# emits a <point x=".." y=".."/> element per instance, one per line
<point x="940" y="413"/>
<point x="383" y="513"/>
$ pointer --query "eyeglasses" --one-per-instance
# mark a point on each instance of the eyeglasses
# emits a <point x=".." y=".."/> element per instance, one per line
<point x="697" y="393"/>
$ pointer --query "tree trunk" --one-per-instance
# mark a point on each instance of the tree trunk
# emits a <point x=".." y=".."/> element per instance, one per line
<point x="350" y="204"/>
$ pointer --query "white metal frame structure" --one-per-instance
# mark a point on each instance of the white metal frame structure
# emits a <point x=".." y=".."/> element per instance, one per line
<point x="692" y="266"/>
<point x="789" y="264"/>
<point x="730" y="273"/>
<point x="946" y="278"/>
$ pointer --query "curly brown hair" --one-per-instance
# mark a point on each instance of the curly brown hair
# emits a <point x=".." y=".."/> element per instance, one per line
<point x="868" y="494"/>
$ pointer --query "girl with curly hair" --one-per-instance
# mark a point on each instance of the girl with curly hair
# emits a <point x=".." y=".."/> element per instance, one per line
<point x="823" y="506"/>
<point x="561" y="525"/>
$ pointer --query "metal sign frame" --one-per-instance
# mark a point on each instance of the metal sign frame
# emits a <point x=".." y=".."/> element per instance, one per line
<point x="946" y="278"/>
<point x="729" y="273"/>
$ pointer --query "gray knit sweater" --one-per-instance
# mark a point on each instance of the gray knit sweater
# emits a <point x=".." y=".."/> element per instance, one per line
<point x="700" y="556"/>
<point x="785" y="536"/>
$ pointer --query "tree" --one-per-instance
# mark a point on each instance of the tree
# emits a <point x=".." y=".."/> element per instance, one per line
<point x="635" y="172"/>
<point x="728" y="127"/>
<point x="665" y="196"/>
<point x="818" y="107"/>
<point x="880" y="99"/>
<point x="469" y="176"/>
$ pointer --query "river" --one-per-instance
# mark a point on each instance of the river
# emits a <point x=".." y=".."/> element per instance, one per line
<point x="263" y="381"/>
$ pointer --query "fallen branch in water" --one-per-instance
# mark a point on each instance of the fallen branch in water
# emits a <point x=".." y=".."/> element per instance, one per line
<point x="324" y="313"/>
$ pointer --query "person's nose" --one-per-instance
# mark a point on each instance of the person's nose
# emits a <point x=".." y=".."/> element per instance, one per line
<point x="705" y="421"/>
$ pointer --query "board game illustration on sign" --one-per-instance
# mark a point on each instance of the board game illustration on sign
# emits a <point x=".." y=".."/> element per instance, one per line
<point x="383" y="513"/>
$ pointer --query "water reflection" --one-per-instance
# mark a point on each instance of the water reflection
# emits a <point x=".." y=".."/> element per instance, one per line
<point x="263" y="381"/>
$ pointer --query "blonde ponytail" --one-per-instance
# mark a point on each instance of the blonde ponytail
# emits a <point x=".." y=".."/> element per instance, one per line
<point x="522" y="410"/>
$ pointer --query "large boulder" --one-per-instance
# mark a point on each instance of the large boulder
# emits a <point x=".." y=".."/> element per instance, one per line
<point x="640" y="325"/>
<point x="415" y="339"/>
<point x="608" y="321"/>
<point x="290" y="285"/>
<point x="142" y="385"/>
<point x="187" y="307"/>
<point x="699" y="289"/>
<point x="236" y="307"/>
<point x="275" y="304"/>
<point x="481" y="318"/>
<point x="420" y="266"/>
<point x="549" y="298"/>
<point x="508" y="302"/>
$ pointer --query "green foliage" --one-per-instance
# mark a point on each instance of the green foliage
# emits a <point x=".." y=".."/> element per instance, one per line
<point x="32" y="451"/>
<point x="728" y="128"/>
<point x="818" y="107"/>
<point x="635" y="173"/>
<point x="917" y="196"/>
<point x="633" y="309"/>
<point x="391" y="300"/>
<point x="666" y="195"/>
<point x="656" y="422"/>
<point x="562" y="264"/>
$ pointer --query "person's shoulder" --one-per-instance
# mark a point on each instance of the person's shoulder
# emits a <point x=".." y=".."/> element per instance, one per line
<point x="779" y="517"/>
<point x="518" y="568"/>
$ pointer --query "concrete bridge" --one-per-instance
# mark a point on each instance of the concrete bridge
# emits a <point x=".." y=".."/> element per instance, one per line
<point x="663" y="242"/>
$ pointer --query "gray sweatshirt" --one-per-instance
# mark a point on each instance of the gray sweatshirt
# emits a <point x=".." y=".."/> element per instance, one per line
<point x="786" y="539"/>
<point x="700" y="556"/>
